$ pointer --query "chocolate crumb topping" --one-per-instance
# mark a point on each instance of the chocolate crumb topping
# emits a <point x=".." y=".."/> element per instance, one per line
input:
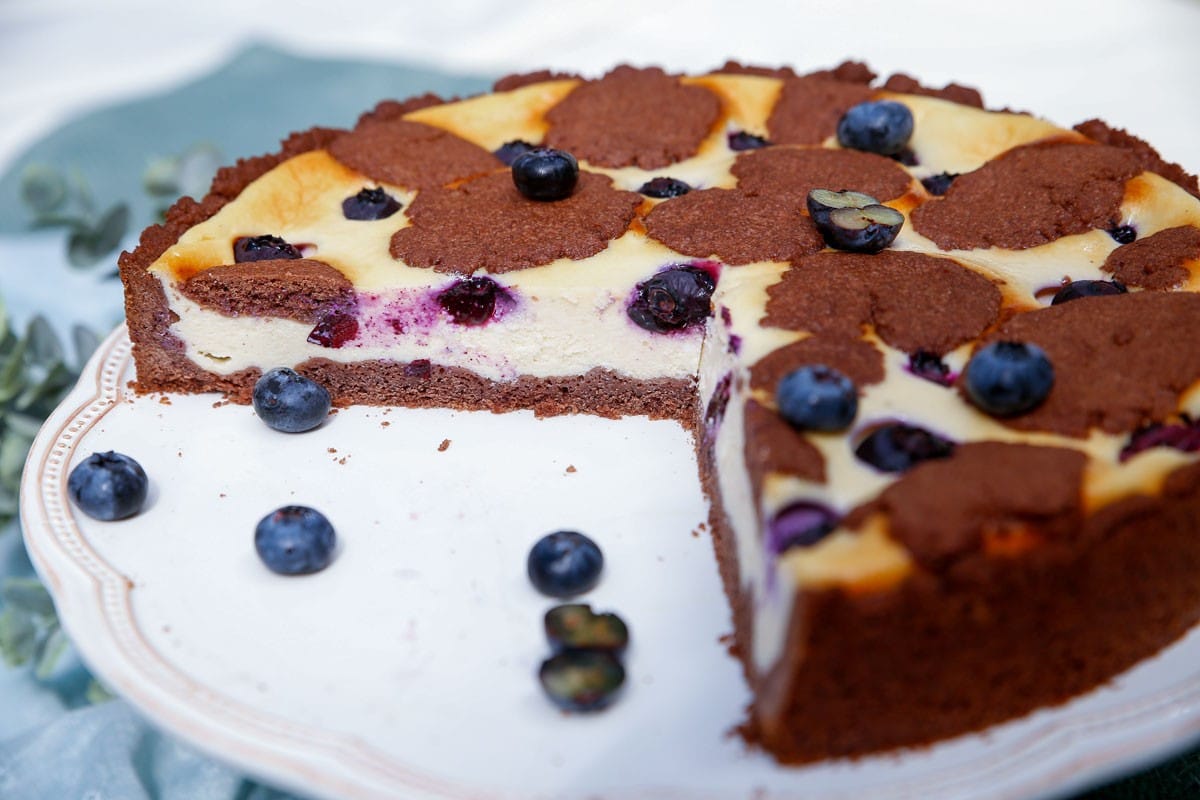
<point x="795" y="170"/>
<point x="1029" y="196"/>
<point x="954" y="92"/>
<point x="809" y="108"/>
<point x="1114" y="366"/>
<point x="738" y="68"/>
<point x="517" y="80"/>
<point x="633" y="117"/>
<point x="486" y="224"/>
<point x="411" y="154"/>
<point x="388" y="110"/>
<point x="915" y="301"/>
<point x="772" y="445"/>
<point x="947" y="508"/>
<point x="1147" y="156"/>
<point x="733" y="227"/>
<point x="859" y="361"/>
<point x="1158" y="261"/>
<point x="847" y="72"/>
<point x="299" y="289"/>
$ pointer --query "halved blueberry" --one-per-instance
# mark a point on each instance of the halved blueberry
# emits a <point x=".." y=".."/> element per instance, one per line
<point x="564" y="563"/>
<point x="582" y="680"/>
<point x="262" y="248"/>
<point x="370" y="204"/>
<point x="801" y="524"/>
<point x="508" y="152"/>
<point x="660" y="188"/>
<point x="108" y="486"/>
<point x="575" y="626"/>
<point x="546" y="174"/>
<point x="1005" y="379"/>
<point x="895" y="447"/>
<point x="817" y="398"/>
<point x="823" y="202"/>
<point x="287" y="401"/>
<point x="674" y="299"/>
<point x="1079" y="289"/>
<point x="862" y="230"/>
<point x="876" y="126"/>
<point x="295" y="540"/>
<point x="471" y="301"/>
<point x="740" y="140"/>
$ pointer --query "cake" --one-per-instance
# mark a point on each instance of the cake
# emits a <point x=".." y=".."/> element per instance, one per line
<point x="932" y="568"/>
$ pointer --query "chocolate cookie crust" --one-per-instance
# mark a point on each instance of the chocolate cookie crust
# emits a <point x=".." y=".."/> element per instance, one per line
<point x="1113" y="368"/>
<point x="914" y="301"/>
<point x="633" y="117"/>
<point x="798" y="170"/>
<point x="299" y="289"/>
<point x="809" y="108"/>
<point x="1159" y="261"/>
<point x="486" y="224"/>
<point x="773" y="446"/>
<point x="1030" y="196"/>
<point x="411" y="154"/>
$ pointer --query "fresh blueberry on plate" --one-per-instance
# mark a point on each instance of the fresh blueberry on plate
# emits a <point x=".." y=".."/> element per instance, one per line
<point x="582" y="680"/>
<point x="295" y="540"/>
<point x="287" y="401"/>
<point x="574" y="626"/>
<point x="564" y="563"/>
<point x="108" y="486"/>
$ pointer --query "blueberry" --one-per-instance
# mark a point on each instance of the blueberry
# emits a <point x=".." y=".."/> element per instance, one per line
<point x="545" y="174"/>
<point x="295" y="540"/>
<point x="1123" y="234"/>
<point x="108" y="486"/>
<point x="1078" y="289"/>
<point x="262" y="248"/>
<point x="801" y="524"/>
<point x="877" y="126"/>
<point x="931" y="367"/>
<point x="564" y="563"/>
<point x="289" y="402"/>
<point x="938" y="185"/>
<point x="471" y="301"/>
<point x="660" y="188"/>
<point x="370" y="204"/>
<point x="674" y="299"/>
<point x="508" y="152"/>
<point x="895" y="447"/>
<point x="862" y="230"/>
<point x="1005" y="379"/>
<point x="740" y="140"/>
<point x="576" y="627"/>
<point x="823" y="202"/>
<point x="817" y="398"/>
<point x="334" y="329"/>
<point x="582" y="680"/>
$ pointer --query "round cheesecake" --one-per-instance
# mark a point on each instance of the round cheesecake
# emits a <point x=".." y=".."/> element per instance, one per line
<point x="1002" y="509"/>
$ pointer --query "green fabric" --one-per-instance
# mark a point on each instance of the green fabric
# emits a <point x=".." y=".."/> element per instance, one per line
<point x="242" y="108"/>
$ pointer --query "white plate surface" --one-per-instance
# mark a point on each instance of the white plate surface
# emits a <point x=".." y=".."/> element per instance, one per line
<point x="407" y="668"/>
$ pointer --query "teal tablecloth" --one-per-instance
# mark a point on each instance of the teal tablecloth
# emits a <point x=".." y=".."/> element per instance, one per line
<point x="61" y="738"/>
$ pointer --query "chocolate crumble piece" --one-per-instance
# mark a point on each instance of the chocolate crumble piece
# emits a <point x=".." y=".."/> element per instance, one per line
<point x="633" y="117"/>
<point x="297" y="289"/>
<point x="411" y="154"/>
<point x="808" y="109"/>
<point x="1158" y="261"/>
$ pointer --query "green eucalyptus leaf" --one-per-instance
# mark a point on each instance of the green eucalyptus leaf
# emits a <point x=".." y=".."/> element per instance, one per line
<point x="68" y="221"/>
<point x="42" y="393"/>
<point x="43" y="188"/>
<point x="22" y="424"/>
<point x="50" y="653"/>
<point x="13" y="450"/>
<point x="44" y="346"/>
<point x="86" y="247"/>
<point x="96" y="693"/>
<point x="86" y="341"/>
<point x="18" y="637"/>
<point x="83" y="194"/>
<point x="161" y="177"/>
<point x="12" y="372"/>
<point x="28" y="595"/>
